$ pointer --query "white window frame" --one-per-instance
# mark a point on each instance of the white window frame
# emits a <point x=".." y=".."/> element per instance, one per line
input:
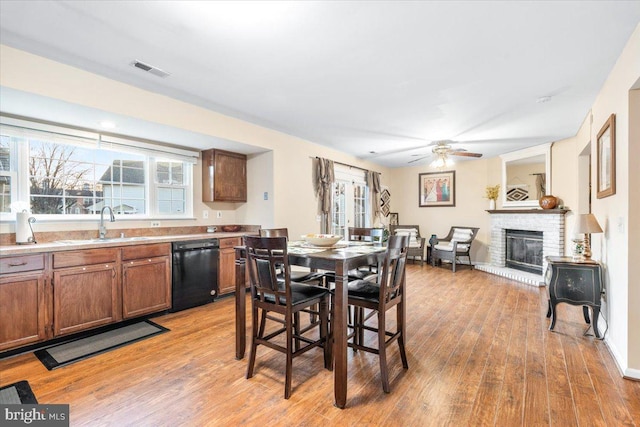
<point x="152" y="153"/>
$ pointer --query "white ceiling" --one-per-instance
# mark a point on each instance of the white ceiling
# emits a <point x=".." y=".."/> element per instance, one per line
<point x="388" y="77"/>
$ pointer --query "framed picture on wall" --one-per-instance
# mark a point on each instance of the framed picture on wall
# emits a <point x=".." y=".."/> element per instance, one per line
<point x="393" y="218"/>
<point x="437" y="189"/>
<point x="607" y="158"/>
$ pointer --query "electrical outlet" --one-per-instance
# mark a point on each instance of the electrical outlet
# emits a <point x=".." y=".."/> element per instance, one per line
<point x="205" y="214"/>
<point x="155" y="223"/>
<point x="219" y="214"/>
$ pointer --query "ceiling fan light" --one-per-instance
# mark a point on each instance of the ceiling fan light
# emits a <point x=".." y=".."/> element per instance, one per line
<point x="442" y="161"/>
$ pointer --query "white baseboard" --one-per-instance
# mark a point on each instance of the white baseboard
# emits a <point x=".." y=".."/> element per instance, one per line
<point x="625" y="372"/>
<point x="632" y="374"/>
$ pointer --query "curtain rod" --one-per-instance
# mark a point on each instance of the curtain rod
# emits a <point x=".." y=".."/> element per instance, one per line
<point x="345" y="164"/>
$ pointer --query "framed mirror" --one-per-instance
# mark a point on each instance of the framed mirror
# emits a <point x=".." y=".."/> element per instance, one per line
<point x="526" y="176"/>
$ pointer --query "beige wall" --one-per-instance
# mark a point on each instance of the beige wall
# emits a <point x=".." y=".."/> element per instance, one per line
<point x="472" y="178"/>
<point x="615" y="215"/>
<point x="284" y="167"/>
<point x="633" y="233"/>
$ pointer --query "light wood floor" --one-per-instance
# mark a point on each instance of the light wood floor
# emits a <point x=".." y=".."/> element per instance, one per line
<point x="479" y="354"/>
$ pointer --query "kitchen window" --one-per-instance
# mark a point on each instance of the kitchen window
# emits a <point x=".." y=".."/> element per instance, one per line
<point x="350" y="200"/>
<point x="63" y="173"/>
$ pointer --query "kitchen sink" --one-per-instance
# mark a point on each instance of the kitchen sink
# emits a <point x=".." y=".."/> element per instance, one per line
<point x="106" y="240"/>
<point x="74" y="241"/>
<point x="121" y="239"/>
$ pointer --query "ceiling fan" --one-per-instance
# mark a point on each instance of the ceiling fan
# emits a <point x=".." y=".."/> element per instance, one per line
<point x="442" y="150"/>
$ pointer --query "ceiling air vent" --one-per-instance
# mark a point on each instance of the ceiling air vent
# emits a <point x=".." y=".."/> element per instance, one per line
<point x="150" y="69"/>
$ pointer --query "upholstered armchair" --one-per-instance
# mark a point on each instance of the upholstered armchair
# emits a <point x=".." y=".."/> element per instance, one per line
<point x="416" y="243"/>
<point x="455" y="245"/>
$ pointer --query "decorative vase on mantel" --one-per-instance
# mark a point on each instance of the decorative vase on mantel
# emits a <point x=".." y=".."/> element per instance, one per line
<point x="548" y="202"/>
<point x="492" y="204"/>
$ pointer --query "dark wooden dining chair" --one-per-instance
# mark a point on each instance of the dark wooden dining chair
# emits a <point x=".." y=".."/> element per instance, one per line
<point x="379" y="296"/>
<point x="279" y="301"/>
<point x="296" y="275"/>
<point x="300" y="276"/>
<point x="364" y="235"/>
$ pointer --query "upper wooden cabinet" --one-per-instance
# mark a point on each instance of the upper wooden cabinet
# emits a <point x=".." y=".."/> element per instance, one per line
<point x="224" y="176"/>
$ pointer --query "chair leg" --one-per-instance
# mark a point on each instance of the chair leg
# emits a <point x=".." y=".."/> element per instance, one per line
<point x="296" y="328"/>
<point x="263" y="323"/>
<point x="254" y="343"/>
<point x="382" y="352"/>
<point x="289" y="363"/>
<point x="324" y="335"/>
<point x="401" y="327"/>
<point x="360" y="334"/>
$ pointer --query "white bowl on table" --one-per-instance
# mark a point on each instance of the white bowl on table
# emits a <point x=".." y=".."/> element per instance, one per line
<point x="324" y="240"/>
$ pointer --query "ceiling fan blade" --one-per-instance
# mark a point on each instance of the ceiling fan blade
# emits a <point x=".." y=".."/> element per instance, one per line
<point x="464" y="154"/>
<point x="418" y="159"/>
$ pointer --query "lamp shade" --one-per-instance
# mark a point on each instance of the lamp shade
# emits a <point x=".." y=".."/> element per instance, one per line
<point x="587" y="224"/>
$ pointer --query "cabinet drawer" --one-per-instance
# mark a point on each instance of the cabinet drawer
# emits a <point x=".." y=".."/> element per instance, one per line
<point x="84" y="257"/>
<point x="146" y="251"/>
<point x="19" y="264"/>
<point x="230" y="242"/>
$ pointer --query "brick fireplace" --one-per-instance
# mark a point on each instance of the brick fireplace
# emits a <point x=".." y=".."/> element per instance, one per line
<point x="550" y="222"/>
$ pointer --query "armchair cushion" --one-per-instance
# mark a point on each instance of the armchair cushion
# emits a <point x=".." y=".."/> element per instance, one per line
<point x="449" y="247"/>
<point x="417" y="244"/>
<point x="412" y="233"/>
<point x="461" y="234"/>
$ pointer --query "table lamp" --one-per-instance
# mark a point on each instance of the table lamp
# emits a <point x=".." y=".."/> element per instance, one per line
<point x="587" y="224"/>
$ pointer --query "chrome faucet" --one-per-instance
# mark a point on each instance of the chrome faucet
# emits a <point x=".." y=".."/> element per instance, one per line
<point x="102" y="228"/>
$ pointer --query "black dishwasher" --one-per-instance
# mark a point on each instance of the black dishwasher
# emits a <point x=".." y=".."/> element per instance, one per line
<point x="195" y="273"/>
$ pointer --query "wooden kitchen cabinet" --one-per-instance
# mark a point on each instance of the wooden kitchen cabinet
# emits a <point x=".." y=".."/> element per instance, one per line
<point x="227" y="270"/>
<point x="85" y="290"/>
<point x="23" y="314"/>
<point x="146" y="279"/>
<point x="224" y="176"/>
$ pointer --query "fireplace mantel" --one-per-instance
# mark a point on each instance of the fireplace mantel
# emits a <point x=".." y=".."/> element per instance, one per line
<point x="528" y="211"/>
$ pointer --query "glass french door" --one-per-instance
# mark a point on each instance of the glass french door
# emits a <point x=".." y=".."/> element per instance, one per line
<point x="349" y="207"/>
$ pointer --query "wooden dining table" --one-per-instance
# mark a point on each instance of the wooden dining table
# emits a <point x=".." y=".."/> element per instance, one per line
<point x="338" y="259"/>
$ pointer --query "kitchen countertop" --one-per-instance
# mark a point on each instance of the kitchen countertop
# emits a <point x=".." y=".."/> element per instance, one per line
<point x="68" y="245"/>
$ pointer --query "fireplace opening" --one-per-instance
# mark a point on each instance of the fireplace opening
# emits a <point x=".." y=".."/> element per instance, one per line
<point x="524" y="250"/>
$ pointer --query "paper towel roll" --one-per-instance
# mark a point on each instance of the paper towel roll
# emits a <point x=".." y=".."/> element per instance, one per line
<point x="23" y="232"/>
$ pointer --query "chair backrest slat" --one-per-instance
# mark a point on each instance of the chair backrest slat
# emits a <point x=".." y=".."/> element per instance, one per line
<point x="274" y="232"/>
<point x="393" y="269"/>
<point x="266" y="256"/>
